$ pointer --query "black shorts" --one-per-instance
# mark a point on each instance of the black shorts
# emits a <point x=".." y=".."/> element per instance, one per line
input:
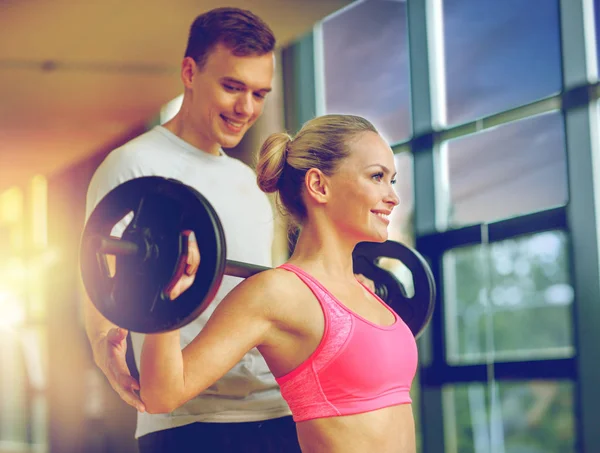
<point x="269" y="436"/>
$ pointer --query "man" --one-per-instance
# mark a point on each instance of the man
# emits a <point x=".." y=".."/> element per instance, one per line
<point x="227" y="72"/>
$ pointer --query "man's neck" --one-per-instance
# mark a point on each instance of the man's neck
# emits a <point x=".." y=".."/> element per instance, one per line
<point x="178" y="127"/>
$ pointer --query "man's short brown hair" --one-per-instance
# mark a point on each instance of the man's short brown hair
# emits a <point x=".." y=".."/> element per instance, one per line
<point x="241" y="31"/>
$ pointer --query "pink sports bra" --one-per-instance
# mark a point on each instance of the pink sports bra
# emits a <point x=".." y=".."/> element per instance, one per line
<point x="358" y="366"/>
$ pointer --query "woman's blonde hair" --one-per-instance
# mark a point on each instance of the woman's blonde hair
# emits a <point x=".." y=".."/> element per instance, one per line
<point x="321" y="143"/>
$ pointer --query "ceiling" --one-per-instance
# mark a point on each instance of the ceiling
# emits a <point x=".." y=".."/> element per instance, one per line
<point x="76" y="75"/>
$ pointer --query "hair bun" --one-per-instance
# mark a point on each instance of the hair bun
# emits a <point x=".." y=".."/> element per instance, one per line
<point x="271" y="161"/>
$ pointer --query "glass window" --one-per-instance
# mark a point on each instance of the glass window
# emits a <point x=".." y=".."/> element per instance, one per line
<point x="515" y="417"/>
<point x="499" y="55"/>
<point x="401" y="221"/>
<point x="597" y="30"/>
<point x="510" y="300"/>
<point x="365" y="56"/>
<point x="506" y="171"/>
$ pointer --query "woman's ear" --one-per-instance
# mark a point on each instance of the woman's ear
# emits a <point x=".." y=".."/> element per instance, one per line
<point x="316" y="184"/>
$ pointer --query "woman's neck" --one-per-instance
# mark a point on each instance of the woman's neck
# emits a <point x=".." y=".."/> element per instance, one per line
<point x="324" y="251"/>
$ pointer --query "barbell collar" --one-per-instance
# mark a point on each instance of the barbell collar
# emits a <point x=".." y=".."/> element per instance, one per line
<point x="114" y="246"/>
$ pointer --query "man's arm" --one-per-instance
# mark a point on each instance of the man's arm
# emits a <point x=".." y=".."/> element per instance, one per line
<point x="109" y="342"/>
<point x="109" y="348"/>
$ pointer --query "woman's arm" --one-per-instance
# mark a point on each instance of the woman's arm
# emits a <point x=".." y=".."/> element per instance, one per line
<point x="170" y="376"/>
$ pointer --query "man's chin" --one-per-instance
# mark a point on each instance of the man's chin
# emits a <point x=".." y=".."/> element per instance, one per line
<point x="228" y="144"/>
<point x="231" y="140"/>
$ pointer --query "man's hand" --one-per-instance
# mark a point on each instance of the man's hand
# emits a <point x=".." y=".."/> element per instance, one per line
<point x="110" y="352"/>
<point x="186" y="267"/>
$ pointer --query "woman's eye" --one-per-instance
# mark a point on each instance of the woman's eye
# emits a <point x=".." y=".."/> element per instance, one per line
<point x="378" y="176"/>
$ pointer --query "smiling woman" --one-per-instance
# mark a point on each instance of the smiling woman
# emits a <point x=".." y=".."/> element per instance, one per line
<point x="335" y="179"/>
<point x="345" y="149"/>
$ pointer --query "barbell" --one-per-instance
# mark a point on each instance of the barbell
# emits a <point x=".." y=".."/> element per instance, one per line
<point x="147" y="254"/>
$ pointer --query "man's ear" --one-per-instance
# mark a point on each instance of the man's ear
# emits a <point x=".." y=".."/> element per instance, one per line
<point x="317" y="185"/>
<point x="188" y="71"/>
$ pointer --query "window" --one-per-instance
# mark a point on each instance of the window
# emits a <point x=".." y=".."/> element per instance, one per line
<point x="507" y="349"/>
<point x="513" y="169"/>
<point x="401" y="222"/>
<point x="499" y="55"/>
<point x="510" y="417"/>
<point x="366" y="65"/>
<point x="510" y="300"/>
<point x="597" y="30"/>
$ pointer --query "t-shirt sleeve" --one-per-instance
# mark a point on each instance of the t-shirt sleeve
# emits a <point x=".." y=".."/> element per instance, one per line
<point x="119" y="166"/>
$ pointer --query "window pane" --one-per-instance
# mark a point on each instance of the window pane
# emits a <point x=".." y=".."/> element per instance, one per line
<point x="511" y="299"/>
<point x="365" y="56"/>
<point x="401" y="221"/>
<point x="499" y="55"/>
<point x="597" y="33"/>
<point x="515" y="417"/>
<point x="513" y="169"/>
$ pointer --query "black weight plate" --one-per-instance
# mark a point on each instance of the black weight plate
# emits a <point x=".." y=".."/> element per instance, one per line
<point x="415" y="311"/>
<point x="162" y="209"/>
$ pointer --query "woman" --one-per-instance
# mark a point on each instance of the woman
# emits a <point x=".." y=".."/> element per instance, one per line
<point x="344" y="361"/>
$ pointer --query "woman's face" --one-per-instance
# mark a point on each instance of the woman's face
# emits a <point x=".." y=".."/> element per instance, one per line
<point x="362" y="192"/>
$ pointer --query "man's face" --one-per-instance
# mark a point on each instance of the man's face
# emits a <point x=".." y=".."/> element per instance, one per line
<point x="227" y="96"/>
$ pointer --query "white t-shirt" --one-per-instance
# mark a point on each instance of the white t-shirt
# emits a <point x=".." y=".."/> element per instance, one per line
<point x="248" y="392"/>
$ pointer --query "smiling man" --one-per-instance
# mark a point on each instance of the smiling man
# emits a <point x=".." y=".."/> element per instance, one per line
<point x="224" y="95"/>
<point x="226" y="73"/>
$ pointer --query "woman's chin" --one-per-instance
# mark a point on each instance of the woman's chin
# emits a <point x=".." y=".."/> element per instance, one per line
<point x="376" y="237"/>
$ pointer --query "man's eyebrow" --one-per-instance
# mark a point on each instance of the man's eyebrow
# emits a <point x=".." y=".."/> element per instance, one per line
<point x="239" y="82"/>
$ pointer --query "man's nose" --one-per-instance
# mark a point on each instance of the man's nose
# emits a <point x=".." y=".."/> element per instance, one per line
<point x="245" y="105"/>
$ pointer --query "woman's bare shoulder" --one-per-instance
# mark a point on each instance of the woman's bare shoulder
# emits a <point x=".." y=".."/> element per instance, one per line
<point x="272" y="282"/>
<point x="267" y="289"/>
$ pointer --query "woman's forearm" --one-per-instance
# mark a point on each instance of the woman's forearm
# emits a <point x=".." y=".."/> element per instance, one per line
<point x="161" y="372"/>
